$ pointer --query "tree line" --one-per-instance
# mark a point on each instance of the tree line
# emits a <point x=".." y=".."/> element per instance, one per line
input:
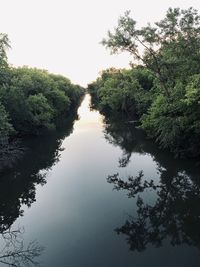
<point x="32" y="100"/>
<point x="161" y="92"/>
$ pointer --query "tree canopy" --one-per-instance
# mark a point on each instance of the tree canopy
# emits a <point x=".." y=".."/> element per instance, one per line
<point x="168" y="61"/>
<point x="32" y="100"/>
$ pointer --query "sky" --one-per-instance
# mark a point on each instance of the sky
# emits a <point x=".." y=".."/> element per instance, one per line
<point x="63" y="36"/>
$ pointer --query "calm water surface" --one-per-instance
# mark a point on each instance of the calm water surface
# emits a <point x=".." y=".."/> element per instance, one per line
<point x="85" y="217"/>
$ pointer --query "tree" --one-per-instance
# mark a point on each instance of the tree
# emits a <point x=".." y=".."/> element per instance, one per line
<point x="122" y="91"/>
<point x="170" y="49"/>
<point x="4" y="45"/>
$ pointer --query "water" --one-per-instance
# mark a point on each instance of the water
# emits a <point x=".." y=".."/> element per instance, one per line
<point x="70" y="209"/>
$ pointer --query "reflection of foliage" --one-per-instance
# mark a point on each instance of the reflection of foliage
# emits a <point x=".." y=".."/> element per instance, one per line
<point x="13" y="198"/>
<point x="121" y="134"/>
<point x="16" y="253"/>
<point x="132" y="140"/>
<point x="11" y="153"/>
<point x="175" y="213"/>
<point x="18" y="183"/>
<point x="134" y="185"/>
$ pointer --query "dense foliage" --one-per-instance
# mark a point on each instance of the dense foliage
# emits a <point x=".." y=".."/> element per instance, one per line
<point x="32" y="100"/>
<point x="163" y="92"/>
<point x="122" y="91"/>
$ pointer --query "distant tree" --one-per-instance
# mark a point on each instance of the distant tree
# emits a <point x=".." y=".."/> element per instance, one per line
<point x="125" y="91"/>
<point x="4" y="45"/>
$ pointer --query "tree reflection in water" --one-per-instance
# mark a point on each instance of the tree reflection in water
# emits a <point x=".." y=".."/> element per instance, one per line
<point x="14" y="251"/>
<point x="175" y="212"/>
<point x="18" y="187"/>
<point x="18" y="184"/>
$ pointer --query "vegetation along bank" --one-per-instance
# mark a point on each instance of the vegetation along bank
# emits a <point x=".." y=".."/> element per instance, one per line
<point x="161" y="92"/>
<point x="32" y="101"/>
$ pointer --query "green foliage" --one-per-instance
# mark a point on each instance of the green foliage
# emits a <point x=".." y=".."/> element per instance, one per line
<point x="41" y="113"/>
<point x="170" y="48"/>
<point x="35" y="99"/>
<point x="122" y="91"/>
<point x="163" y="93"/>
<point x="32" y="99"/>
<point x="175" y="122"/>
<point x="4" y="45"/>
<point x="5" y="127"/>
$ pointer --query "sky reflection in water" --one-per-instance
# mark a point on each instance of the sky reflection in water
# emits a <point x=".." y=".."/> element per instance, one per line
<point x="76" y="215"/>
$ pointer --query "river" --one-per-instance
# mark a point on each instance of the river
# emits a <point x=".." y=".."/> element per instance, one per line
<point x="71" y="194"/>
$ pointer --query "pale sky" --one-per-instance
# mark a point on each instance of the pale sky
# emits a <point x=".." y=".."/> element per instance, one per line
<point x="63" y="36"/>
